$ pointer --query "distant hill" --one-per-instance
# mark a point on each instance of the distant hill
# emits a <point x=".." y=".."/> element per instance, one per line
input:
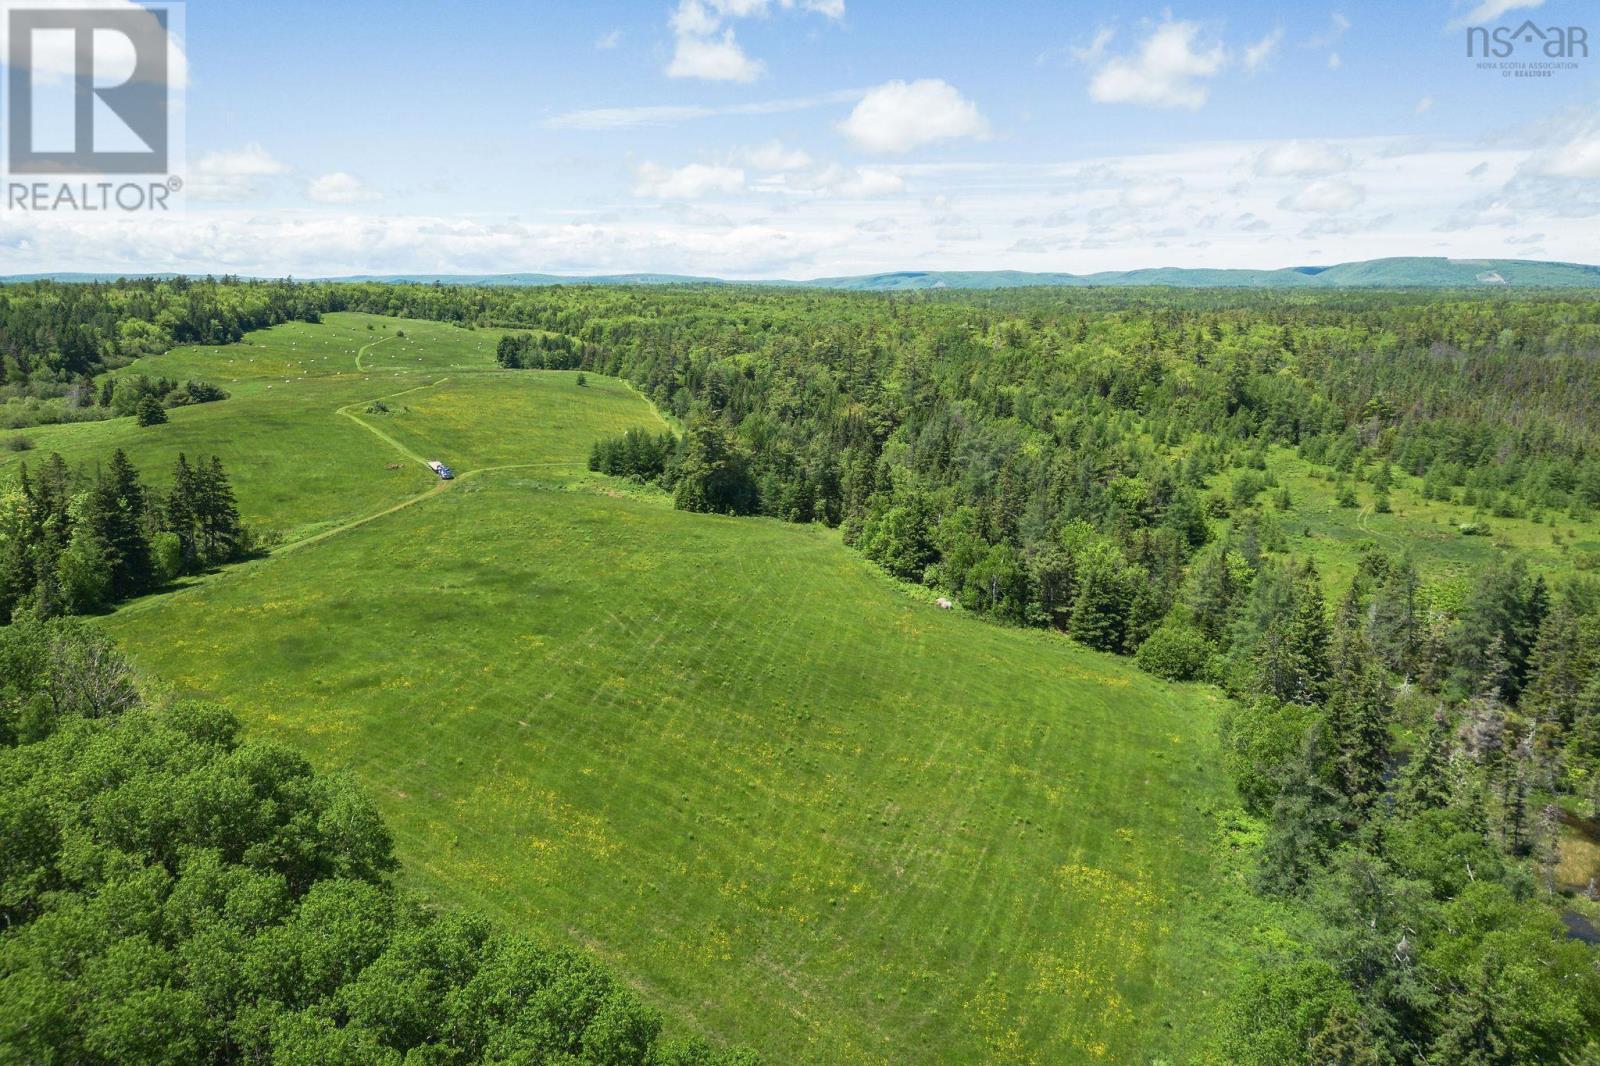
<point x="1410" y="272"/>
<point x="1395" y="273"/>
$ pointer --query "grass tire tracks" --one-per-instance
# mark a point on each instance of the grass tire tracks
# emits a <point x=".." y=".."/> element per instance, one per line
<point x="380" y="434"/>
<point x="286" y="548"/>
<point x="365" y="348"/>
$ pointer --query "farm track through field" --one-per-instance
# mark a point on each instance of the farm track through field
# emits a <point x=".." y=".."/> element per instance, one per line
<point x="355" y="523"/>
<point x="365" y="348"/>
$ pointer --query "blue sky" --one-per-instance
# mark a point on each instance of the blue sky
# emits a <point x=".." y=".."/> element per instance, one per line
<point x="801" y="138"/>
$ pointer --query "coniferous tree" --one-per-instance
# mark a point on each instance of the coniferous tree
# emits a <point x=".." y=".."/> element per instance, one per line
<point x="1099" y="616"/>
<point x="1425" y="785"/>
<point x="1358" y="721"/>
<point x="1308" y="818"/>
<point x="1559" y="668"/>
<point x="181" y="518"/>
<point x="1308" y="633"/>
<point x="1393" y="627"/>
<point x="115" y="513"/>
<point x="221" y="534"/>
<point x="150" y="412"/>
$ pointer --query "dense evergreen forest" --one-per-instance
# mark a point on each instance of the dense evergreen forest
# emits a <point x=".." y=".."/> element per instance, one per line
<point x="1101" y="463"/>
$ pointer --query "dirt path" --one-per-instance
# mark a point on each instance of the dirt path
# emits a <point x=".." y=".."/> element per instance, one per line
<point x="440" y="487"/>
<point x="1363" y="523"/>
<point x="380" y="434"/>
<point x="365" y="348"/>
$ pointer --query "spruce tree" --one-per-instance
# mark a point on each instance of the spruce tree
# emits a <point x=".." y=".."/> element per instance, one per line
<point x="1559" y="668"/>
<point x="221" y="532"/>
<point x="150" y="412"/>
<point x="115" y="513"/>
<point x="1358" y="721"/>
<point x="1425" y="784"/>
<point x="181" y="518"/>
<point x="1307" y="638"/>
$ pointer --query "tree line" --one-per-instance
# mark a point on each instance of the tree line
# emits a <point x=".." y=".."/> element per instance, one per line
<point x="76" y="543"/>
<point x="171" y="892"/>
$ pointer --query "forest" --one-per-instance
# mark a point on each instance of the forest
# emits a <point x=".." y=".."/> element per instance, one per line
<point x="1109" y="464"/>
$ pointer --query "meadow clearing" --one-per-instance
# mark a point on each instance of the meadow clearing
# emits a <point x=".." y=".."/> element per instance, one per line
<point x="791" y="802"/>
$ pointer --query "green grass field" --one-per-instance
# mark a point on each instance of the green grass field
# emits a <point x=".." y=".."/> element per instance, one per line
<point x="799" y="808"/>
<point x="1427" y="530"/>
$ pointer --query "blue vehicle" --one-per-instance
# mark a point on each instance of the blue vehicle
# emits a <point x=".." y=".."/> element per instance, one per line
<point x="444" y="472"/>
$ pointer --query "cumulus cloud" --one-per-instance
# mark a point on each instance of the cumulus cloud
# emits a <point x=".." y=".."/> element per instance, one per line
<point x="1302" y="159"/>
<point x="341" y="188"/>
<point x="713" y="59"/>
<point x="898" y="116"/>
<point x="233" y="176"/>
<point x="704" y="43"/>
<point x="689" y="182"/>
<point x="1169" y="69"/>
<point x="1325" y="197"/>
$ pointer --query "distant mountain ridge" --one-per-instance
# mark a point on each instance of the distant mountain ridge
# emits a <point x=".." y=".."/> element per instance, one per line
<point x="1393" y="273"/>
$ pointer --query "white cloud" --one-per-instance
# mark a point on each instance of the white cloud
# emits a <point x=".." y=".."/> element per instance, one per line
<point x="1418" y="198"/>
<point x="1326" y="197"/>
<point x="1577" y="158"/>
<point x="775" y="156"/>
<point x="340" y="188"/>
<point x="1257" y="55"/>
<point x="1334" y="61"/>
<point x="1302" y="159"/>
<point x="713" y="59"/>
<point x="621" y="118"/>
<point x="1168" y="70"/>
<point x="689" y="182"/>
<point x="705" y="46"/>
<point x="607" y="41"/>
<point x="1095" y="49"/>
<point x="898" y="116"/>
<point x="1491" y="10"/>
<point x="233" y="176"/>
<point x="861" y="183"/>
<point x="1424" y="105"/>
<point x="1152" y="193"/>
<point x="1338" y="27"/>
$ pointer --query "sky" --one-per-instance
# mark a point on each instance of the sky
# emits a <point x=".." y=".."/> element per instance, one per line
<point x="813" y="138"/>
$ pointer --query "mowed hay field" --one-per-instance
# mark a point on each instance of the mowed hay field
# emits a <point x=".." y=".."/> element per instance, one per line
<point x="795" y="805"/>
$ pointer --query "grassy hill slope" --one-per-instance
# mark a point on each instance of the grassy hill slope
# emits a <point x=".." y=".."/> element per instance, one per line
<point x="794" y="804"/>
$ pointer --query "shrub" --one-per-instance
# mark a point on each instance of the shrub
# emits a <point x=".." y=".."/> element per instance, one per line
<point x="1175" y="651"/>
<point x="19" y="443"/>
